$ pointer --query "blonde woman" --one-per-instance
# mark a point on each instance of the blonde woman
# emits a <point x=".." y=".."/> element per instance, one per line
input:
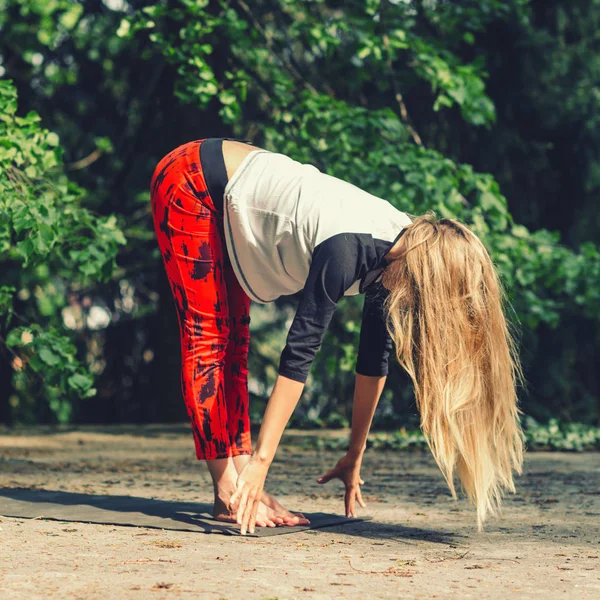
<point x="236" y="223"/>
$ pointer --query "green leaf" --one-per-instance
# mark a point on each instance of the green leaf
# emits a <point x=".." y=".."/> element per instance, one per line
<point x="88" y="268"/>
<point x="14" y="337"/>
<point x="52" y="139"/>
<point x="70" y="17"/>
<point x="49" y="357"/>
<point x="227" y="97"/>
<point x="81" y="382"/>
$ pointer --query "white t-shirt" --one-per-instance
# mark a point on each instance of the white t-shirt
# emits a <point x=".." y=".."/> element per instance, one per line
<point x="290" y="227"/>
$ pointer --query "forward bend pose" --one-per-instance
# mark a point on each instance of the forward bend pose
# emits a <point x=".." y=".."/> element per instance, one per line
<point x="237" y="223"/>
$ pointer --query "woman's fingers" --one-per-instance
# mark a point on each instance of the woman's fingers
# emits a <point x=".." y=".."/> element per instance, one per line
<point x="250" y="511"/>
<point x="242" y="503"/>
<point x="327" y="477"/>
<point x="246" y="514"/>
<point x="360" y="499"/>
<point x="353" y="495"/>
<point x="235" y="496"/>
<point x="247" y="511"/>
<point x="349" y="502"/>
<point x="253" y="514"/>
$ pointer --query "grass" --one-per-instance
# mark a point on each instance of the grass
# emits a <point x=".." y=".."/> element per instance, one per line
<point x="567" y="437"/>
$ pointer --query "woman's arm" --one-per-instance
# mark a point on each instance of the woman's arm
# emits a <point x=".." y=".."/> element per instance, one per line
<point x="251" y="481"/>
<point x="371" y="373"/>
<point x="374" y="348"/>
<point x="281" y="405"/>
<point x="334" y="267"/>
<point x="367" y="391"/>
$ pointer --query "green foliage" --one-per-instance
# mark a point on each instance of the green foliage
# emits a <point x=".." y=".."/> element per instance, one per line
<point x="305" y="75"/>
<point x="569" y="437"/>
<point x="47" y="240"/>
<point x="183" y="34"/>
<point x="263" y="61"/>
<point x="400" y="98"/>
<point x="374" y="147"/>
<point x="561" y="436"/>
<point x="50" y="355"/>
<point x="41" y="216"/>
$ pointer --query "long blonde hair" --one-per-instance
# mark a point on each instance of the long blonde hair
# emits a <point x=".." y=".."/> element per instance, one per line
<point x="445" y="315"/>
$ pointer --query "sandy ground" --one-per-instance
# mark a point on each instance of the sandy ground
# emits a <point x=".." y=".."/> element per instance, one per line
<point x="420" y="543"/>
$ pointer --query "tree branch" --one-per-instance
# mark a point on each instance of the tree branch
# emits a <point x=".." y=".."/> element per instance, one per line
<point x="269" y="42"/>
<point x="86" y="161"/>
<point x="404" y="117"/>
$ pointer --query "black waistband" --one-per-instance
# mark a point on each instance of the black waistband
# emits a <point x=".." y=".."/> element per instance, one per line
<point x="213" y="168"/>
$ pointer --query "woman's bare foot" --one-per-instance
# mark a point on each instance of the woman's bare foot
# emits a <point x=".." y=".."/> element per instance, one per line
<point x="224" y="475"/>
<point x="221" y="512"/>
<point x="266" y="516"/>
<point x="276" y="510"/>
<point x="270" y="512"/>
<point x="289" y="518"/>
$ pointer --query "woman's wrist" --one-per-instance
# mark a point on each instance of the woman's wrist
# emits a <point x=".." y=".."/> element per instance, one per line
<point x="283" y="400"/>
<point x="356" y="451"/>
<point x="263" y="456"/>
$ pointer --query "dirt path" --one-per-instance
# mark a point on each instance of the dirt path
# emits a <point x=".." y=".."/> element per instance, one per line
<point x="420" y="543"/>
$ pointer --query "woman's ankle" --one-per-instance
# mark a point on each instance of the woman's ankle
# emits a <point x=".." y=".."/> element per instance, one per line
<point x="221" y="503"/>
<point x="224" y="490"/>
<point x="224" y="476"/>
<point x="240" y="461"/>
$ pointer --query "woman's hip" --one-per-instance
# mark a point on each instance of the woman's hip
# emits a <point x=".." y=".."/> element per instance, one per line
<point x="180" y="177"/>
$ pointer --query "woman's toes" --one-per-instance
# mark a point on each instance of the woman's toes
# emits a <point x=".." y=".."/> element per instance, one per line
<point x="302" y="520"/>
<point x="268" y="523"/>
<point x="292" y="521"/>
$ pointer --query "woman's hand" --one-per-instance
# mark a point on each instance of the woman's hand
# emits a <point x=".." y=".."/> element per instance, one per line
<point x="250" y="483"/>
<point x="348" y="470"/>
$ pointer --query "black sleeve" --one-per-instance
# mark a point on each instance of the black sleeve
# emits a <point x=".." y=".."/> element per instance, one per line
<point x="375" y="342"/>
<point x="333" y="270"/>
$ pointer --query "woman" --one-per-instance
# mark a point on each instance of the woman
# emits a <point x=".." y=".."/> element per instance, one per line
<point x="235" y="222"/>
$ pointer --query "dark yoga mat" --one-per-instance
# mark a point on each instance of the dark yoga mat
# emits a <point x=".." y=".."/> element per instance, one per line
<point x="137" y="512"/>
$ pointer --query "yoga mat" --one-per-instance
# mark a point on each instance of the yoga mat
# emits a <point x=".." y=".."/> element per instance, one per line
<point x="131" y="511"/>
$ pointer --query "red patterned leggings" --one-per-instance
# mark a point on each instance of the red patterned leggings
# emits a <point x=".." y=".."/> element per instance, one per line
<point x="212" y="308"/>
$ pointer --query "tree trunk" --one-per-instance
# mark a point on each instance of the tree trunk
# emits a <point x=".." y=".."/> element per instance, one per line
<point x="6" y="387"/>
<point x="167" y="403"/>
